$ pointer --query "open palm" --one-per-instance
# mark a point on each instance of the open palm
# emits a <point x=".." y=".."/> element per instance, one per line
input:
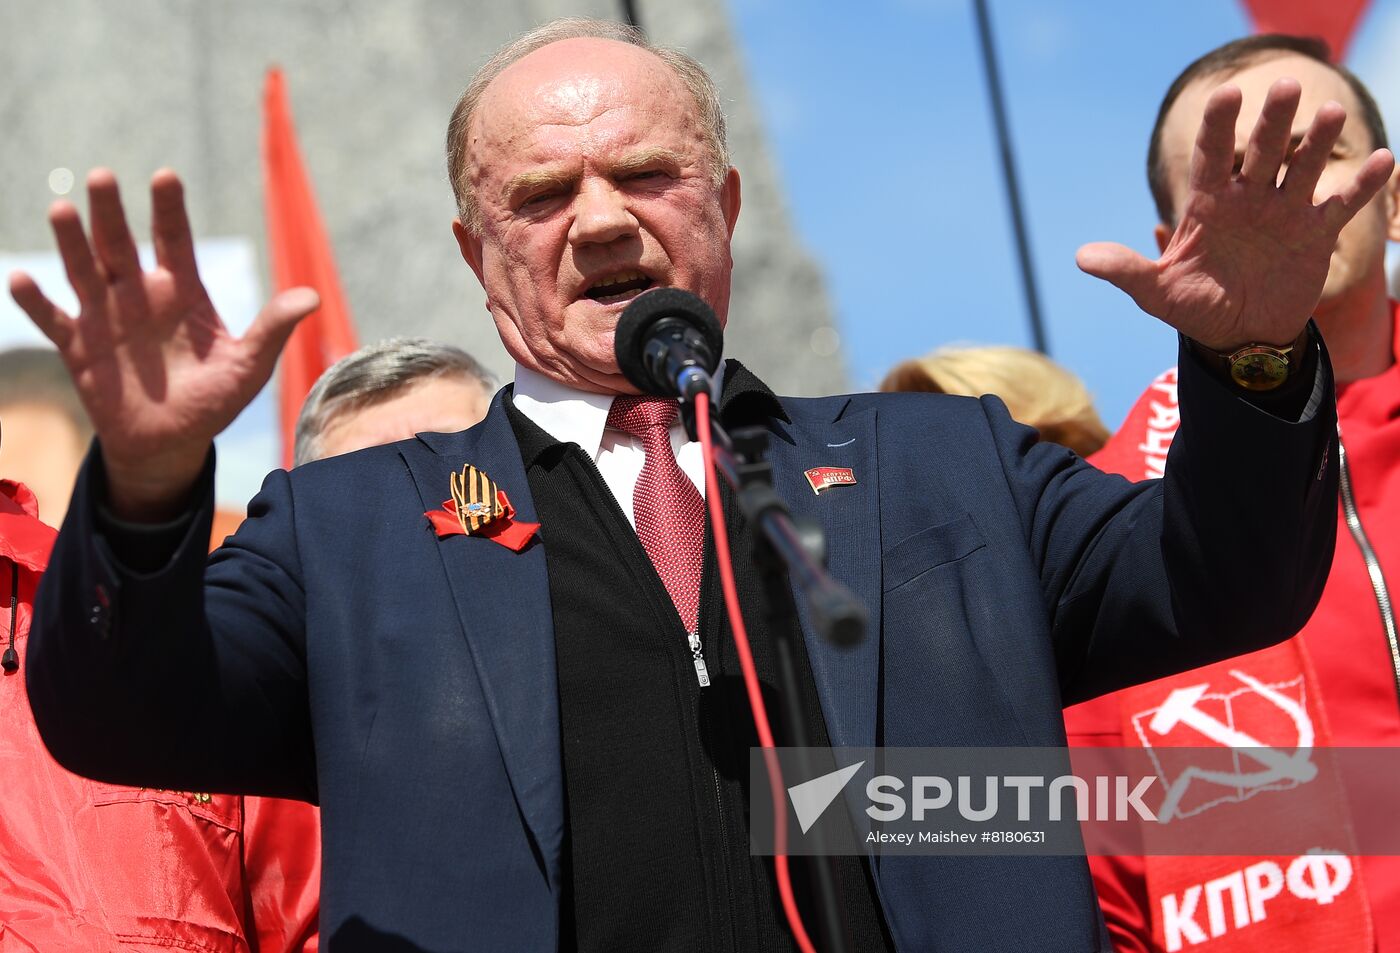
<point x="154" y="365"/>
<point x="1250" y="254"/>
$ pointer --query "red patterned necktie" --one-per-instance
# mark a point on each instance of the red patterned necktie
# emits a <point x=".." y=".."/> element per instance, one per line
<point x="668" y="510"/>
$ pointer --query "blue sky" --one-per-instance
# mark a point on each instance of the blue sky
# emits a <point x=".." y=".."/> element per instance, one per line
<point x="879" y="121"/>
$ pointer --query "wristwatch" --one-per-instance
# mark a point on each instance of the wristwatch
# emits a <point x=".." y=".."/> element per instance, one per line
<point x="1255" y="367"/>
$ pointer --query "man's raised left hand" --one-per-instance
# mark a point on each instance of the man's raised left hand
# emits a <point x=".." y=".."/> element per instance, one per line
<point x="1250" y="253"/>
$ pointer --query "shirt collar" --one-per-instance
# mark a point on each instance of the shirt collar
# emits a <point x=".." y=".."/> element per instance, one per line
<point x="559" y="414"/>
<point x="23" y="538"/>
<point x="566" y="414"/>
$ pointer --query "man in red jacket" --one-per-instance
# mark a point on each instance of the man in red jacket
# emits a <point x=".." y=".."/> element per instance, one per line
<point x="1342" y="673"/>
<point x="90" y="866"/>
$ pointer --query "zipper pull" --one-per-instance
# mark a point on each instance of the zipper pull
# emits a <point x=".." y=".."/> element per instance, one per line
<point x="702" y="674"/>
<point x="10" y="661"/>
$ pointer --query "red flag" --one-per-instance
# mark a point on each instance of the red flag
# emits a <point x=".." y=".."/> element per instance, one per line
<point x="1333" y="20"/>
<point x="301" y="255"/>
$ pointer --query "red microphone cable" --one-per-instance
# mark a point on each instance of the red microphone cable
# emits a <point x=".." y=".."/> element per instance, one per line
<point x="741" y="643"/>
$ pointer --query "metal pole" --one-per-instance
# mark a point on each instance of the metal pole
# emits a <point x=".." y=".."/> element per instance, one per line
<point x="1008" y="168"/>
<point x="629" y="13"/>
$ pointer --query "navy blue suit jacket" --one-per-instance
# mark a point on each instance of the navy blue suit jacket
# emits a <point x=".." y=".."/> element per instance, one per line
<point x="337" y="650"/>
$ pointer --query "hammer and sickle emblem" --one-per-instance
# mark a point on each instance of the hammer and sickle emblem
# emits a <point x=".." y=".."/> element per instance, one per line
<point x="1277" y="765"/>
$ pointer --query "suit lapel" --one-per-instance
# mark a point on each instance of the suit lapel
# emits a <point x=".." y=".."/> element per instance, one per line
<point x="502" y="599"/>
<point x="846" y="678"/>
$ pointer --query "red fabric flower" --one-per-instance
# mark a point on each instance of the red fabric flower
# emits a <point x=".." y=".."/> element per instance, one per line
<point x="505" y="529"/>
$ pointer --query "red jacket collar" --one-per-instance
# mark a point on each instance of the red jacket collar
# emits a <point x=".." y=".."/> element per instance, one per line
<point x="23" y="538"/>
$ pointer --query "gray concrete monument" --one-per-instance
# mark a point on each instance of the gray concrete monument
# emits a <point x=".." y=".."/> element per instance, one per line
<point x="144" y="83"/>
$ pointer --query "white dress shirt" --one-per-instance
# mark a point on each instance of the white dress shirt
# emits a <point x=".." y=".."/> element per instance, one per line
<point x="574" y="416"/>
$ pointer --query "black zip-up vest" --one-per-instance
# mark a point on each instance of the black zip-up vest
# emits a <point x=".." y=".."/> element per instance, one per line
<point x="656" y="767"/>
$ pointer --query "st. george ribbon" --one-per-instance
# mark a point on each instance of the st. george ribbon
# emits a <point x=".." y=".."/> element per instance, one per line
<point x="668" y="344"/>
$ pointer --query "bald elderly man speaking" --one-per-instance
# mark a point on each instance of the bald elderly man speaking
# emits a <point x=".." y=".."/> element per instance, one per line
<point x="504" y="727"/>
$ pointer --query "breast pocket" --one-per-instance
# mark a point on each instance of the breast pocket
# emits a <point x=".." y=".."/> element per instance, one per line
<point x="929" y="548"/>
<point x="165" y="866"/>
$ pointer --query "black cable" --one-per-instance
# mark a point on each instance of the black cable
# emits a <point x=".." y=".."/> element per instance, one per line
<point x="629" y="14"/>
<point x="1008" y="169"/>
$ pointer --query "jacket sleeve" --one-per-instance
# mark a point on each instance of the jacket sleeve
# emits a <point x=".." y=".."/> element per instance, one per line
<point x="178" y="677"/>
<point x="1226" y="555"/>
<point x="282" y="871"/>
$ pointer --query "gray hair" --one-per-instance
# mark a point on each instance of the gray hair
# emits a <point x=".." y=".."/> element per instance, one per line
<point x="686" y="68"/>
<point x="375" y="373"/>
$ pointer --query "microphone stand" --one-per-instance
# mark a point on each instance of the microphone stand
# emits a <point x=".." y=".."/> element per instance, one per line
<point x="785" y="550"/>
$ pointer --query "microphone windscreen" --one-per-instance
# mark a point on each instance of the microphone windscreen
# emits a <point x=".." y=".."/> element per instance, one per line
<point x="642" y="314"/>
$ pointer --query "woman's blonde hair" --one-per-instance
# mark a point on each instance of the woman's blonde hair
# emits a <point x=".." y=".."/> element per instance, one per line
<point x="1036" y="390"/>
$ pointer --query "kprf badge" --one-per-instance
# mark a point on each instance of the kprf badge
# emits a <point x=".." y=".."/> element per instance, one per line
<point x="822" y="478"/>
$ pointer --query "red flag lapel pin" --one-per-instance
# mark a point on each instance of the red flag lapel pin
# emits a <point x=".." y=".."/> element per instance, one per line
<point x="822" y="478"/>
<point x="479" y="507"/>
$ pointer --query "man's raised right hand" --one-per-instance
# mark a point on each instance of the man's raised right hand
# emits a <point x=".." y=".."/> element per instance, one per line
<point x="155" y="367"/>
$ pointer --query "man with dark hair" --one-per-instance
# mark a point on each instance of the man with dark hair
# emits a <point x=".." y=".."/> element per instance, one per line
<point x="1354" y="312"/>
<point x="1344" y="668"/>
<point x="510" y="736"/>
<point x="1229" y="59"/>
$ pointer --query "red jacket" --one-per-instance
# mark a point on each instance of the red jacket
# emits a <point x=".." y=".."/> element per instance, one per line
<point x="87" y="867"/>
<point x="1345" y="640"/>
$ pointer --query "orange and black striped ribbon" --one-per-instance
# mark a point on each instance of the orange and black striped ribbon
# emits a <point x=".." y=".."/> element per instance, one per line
<point x="476" y="498"/>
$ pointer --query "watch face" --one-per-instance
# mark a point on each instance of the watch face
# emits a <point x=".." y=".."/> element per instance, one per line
<point x="1259" y="368"/>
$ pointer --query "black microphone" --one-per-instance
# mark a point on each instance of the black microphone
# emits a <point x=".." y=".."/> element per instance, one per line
<point x="668" y="343"/>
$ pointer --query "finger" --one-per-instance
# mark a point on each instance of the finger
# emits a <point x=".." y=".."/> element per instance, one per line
<point x="83" y="272"/>
<point x="1213" y="160"/>
<point x="1310" y="158"/>
<point x="1375" y="172"/>
<point x="275" y="323"/>
<point x="1126" y="270"/>
<point x="48" y="317"/>
<point x="1268" y="142"/>
<point x="110" y="234"/>
<point x="170" y="225"/>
